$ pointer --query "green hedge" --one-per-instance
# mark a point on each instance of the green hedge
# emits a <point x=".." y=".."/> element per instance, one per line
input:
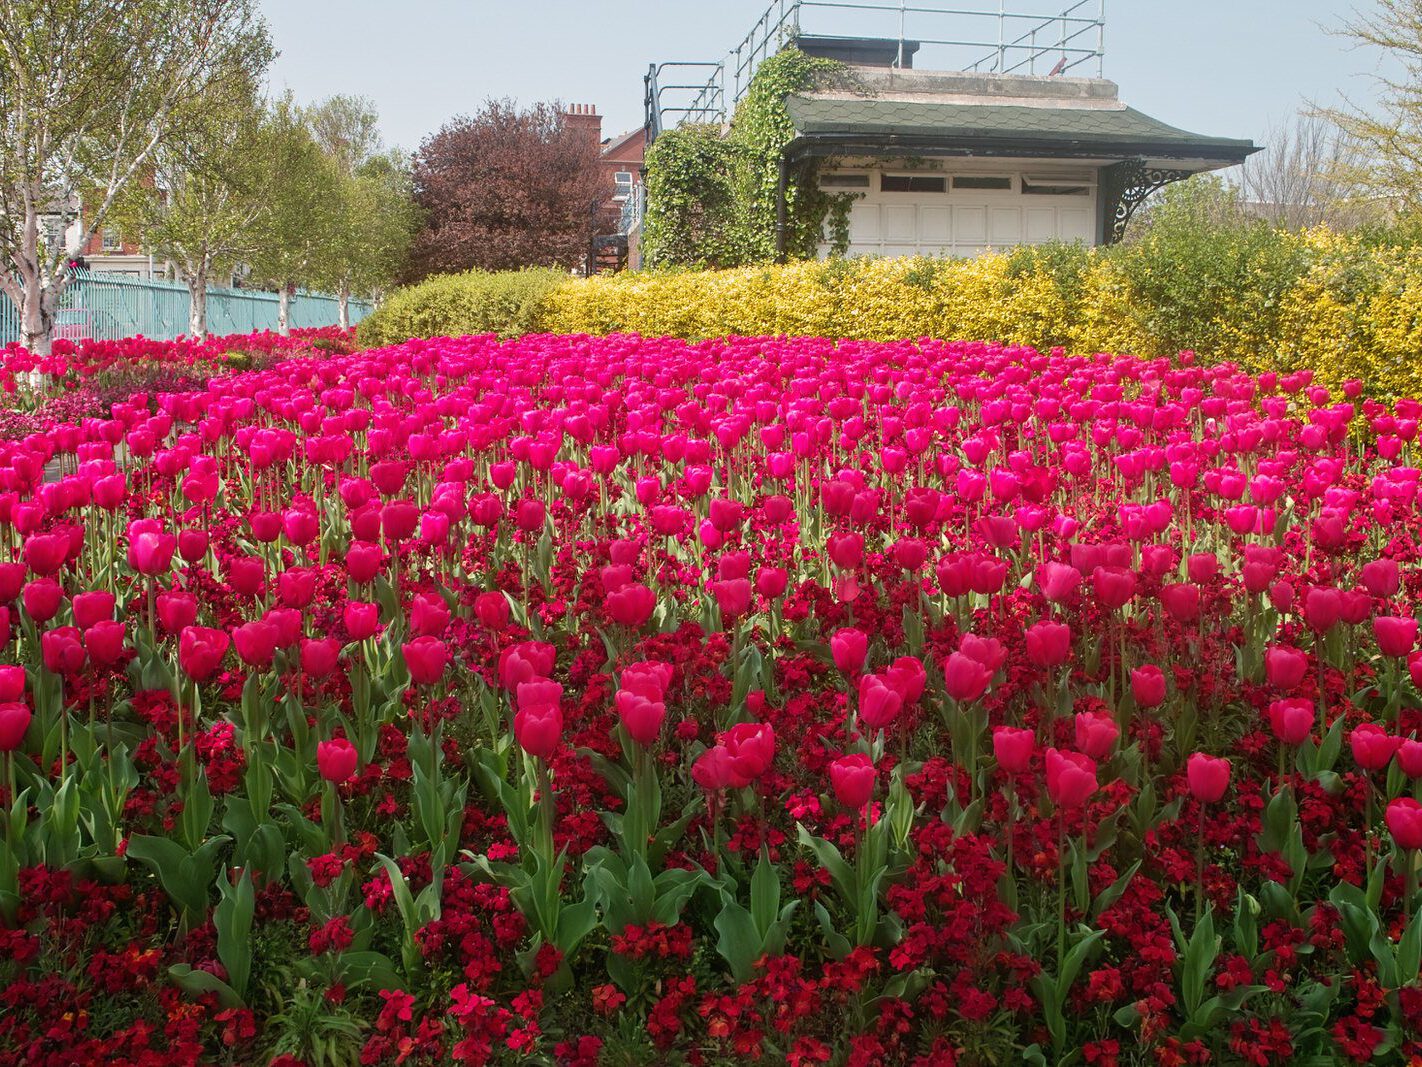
<point x="506" y="303"/>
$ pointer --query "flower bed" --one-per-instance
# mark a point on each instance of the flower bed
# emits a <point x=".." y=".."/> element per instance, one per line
<point x="632" y="701"/>
<point x="81" y="380"/>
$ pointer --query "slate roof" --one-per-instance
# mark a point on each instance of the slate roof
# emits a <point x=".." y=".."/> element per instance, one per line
<point x="1006" y="127"/>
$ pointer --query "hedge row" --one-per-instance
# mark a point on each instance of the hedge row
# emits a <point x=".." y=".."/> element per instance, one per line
<point x="1346" y="306"/>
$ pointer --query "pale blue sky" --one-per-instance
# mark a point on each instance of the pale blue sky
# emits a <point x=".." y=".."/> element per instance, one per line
<point x="1223" y="67"/>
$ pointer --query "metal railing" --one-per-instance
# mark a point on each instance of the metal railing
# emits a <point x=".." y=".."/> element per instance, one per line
<point x="992" y="39"/>
<point x="632" y="209"/>
<point x="109" y="307"/>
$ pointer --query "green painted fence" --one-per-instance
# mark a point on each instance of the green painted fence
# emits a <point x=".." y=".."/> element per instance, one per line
<point x="110" y="306"/>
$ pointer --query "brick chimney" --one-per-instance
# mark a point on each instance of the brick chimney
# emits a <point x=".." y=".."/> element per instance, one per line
<point x="585" y="117"/>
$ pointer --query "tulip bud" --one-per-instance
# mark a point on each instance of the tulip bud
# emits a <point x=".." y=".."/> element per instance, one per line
<point x="1208" y="777"/>
<point x="853" y="777"/>
<point x="336" y="760"/>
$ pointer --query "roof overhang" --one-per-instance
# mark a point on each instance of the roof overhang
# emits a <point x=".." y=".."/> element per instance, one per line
<point x="1192" y="157"/>
<point x="998" y="125"/>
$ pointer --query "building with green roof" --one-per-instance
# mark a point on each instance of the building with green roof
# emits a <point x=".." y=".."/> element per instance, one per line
<point x="954" y="162"/>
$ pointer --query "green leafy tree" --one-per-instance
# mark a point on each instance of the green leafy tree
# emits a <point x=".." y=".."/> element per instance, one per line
<point x="90" y="91"/>
<point x="203" y="211"/>
<point x="301" y="187"/>
<point x="373" y="217"/>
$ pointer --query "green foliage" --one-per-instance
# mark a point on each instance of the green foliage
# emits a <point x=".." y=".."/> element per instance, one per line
<point x="712" y="196"/>
<point x="1200" y="265"/>
<point x="504" y="302"/>
<point x="691" y="199"/>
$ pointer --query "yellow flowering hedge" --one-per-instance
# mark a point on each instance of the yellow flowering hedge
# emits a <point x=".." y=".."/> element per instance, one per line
<point x="1343" y="305"/>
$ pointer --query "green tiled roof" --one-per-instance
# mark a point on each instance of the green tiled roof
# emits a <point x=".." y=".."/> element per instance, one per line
<point x="869" y="117"/>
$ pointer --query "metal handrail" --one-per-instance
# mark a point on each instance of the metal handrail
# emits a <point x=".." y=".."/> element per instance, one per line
<point x="1064" y="37"/>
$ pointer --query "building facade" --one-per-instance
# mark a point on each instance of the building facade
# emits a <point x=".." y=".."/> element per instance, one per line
<point x="983" y="152"/>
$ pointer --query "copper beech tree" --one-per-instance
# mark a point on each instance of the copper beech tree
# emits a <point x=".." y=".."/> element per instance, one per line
<point x="506" y="188"/>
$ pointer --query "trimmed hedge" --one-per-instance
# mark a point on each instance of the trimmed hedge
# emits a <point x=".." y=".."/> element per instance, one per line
<point x="1344" y="305"/>
<point x="455" y="305"/>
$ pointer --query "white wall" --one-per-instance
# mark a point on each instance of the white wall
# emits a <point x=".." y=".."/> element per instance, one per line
<point x="958" y="221"/>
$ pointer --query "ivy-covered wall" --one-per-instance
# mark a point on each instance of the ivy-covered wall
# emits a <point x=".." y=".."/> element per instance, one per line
<point x="711" y="194"/>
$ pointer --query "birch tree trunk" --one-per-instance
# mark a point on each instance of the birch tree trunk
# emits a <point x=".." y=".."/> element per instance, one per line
<point x="37" y="319"/>
<point x="197" y="303"/>
<point x="343" y="306"/>
<point x="284" y="311"/>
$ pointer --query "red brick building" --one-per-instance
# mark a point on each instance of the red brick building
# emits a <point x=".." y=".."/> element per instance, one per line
<point x="622" y="165"/>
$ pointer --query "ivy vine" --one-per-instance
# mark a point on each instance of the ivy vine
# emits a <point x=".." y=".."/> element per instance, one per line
<point x="711" y="194"/>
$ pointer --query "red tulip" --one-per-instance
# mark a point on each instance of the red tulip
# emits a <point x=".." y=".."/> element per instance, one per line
<point x="1396" y="636"/>
<point x="988" y="651"/>
<point x="14" y="722"/>
<point x="849" y="648"/>
<point x="364" y="561"/>
<point x="1114" y="586"/>
<point x="245" y="574"/>
<point x="1404" y="822"/>
<point x="908" y="678"/>
<point x="429" y="615"/>
<point x="151" y="552"/>
<point x="771" y="582"/>
<point x="45" y="553"/>
<point x="1409" y="757"/>
<point x="1148" y="686"/>
<point x="1373" y="747"/>
<point x="853" y="779"/>
<point x="103" y="641"/>
<point x="1323" y="608"/>
<point x="62" y="650"/>
<point x="1049" y="643"/>
<point x="1181" y="601"/>
<point x="1284" y="667"/>
<point x="523" y="662"/>
<point x="89" y="608"/>
<point x="360" y="619"/>
<point x="1381" y="578"/>
<point x="1292" y="720"/>
<point x="1096" y="734"/>
<point x="846" y="550"/>
<point x="336" y="760"/>
<point x="879" y="701"/>
<point x="42" y="598"/>
<point x="256" y="643"/>
<point x="12" y="683"/>
<point x="1208" y="777"/>
<point x="713" y="770"/>
<point x="965" y="678"/>
<point x="751" y="746"/>
<point x="650" y="679"/>
<point x="632" y="605"/>
<point x="1013" y="748"/>
<point x="1071" y="778"/>
<point x="1058" y="581"/>
<point x="176" y="611"/>
<point x="296" y="587"/>
<point x="200" y="651"/>
<point x="641" y="716"/>
<point x="426" y="659"/>
<point x="319" y="656"/>
<point x="538" y="728"/>
<point x="733" y="597"/>
<point x="492" y="610"/>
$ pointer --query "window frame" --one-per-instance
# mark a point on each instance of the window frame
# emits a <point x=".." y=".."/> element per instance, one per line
<point x="941" y="179"/>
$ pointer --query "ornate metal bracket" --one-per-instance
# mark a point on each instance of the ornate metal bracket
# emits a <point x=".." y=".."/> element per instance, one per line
<point x="1125" y="185"/>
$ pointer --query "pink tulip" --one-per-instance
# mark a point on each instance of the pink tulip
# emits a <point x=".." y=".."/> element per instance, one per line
<point x="1208" y="777"/>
